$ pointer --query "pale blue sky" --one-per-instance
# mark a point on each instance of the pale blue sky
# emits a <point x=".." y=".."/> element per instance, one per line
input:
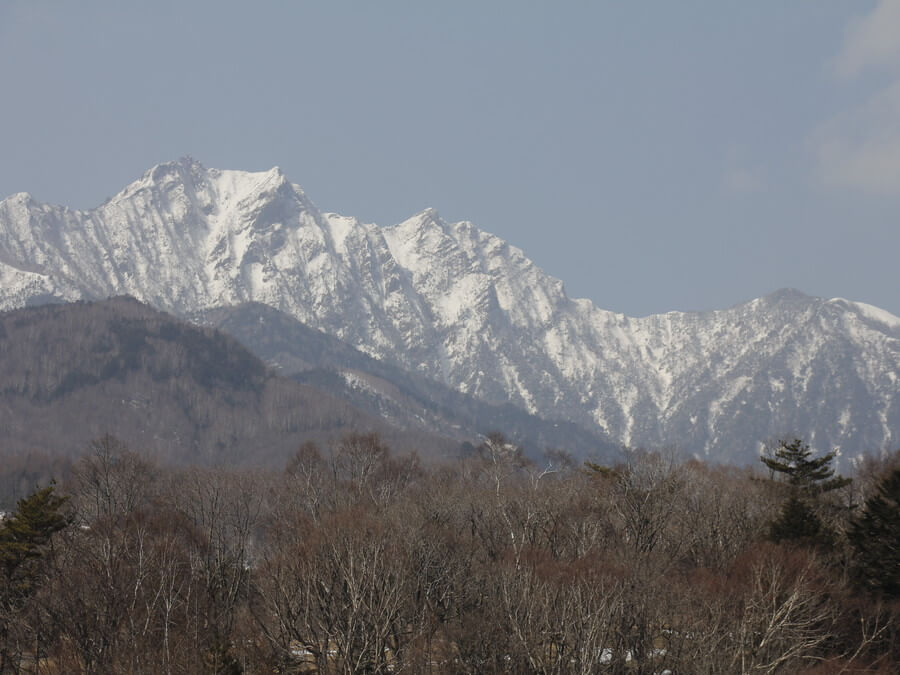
<point x="654" y="155"/>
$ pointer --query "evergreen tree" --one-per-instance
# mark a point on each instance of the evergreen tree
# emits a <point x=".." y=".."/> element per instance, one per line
<point x="24" y="537"/>
<point x="875" y="538"/>
<point x="799" y="523"/>
<point x="804" y="473"/>
<point x="808" y="478"/>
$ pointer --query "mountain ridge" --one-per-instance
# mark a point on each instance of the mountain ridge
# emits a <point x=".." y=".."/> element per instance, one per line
<point x="462" y="306"/>
<point x="404" y="399"/>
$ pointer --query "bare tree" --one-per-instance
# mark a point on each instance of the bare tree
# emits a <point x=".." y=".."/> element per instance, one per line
<point x="224" y="508"/>
<point x="786" y="619"/>
<point x="111" y="480"/>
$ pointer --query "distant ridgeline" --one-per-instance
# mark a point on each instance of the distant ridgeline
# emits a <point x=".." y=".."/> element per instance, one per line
<point x="463" y="308"/>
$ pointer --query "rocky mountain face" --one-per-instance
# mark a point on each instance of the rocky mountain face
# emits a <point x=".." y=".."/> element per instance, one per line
<point x="456" y="304"/>
<point x="404" y="399"/>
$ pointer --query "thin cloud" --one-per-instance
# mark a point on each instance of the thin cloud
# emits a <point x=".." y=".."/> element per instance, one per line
<point x="872" y="40"/>
<point x="861" y="147"/>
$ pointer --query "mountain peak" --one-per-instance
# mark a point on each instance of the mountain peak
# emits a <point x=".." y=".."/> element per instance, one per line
<point x="429" y="216"/>
<point x="185" y="170"/>
<point x="20" y="197"/>
<point x="788" y="295"/>
<point x="227" y="185"/>
<point x="787" y="298"/>
<point x="425" y="224"/>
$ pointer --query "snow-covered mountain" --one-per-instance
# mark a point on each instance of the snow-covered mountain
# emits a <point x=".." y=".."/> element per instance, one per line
<point x="452" y="302"/>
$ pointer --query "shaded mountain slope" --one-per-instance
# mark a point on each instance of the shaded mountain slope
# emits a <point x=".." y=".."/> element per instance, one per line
<point x="181" y="393"/>
<point x="405" y="399"/>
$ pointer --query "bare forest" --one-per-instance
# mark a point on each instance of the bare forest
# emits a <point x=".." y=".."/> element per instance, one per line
<point x="355" y="559"/>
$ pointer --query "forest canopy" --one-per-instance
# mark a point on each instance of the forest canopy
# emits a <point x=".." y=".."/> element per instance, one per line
<point x="356" y="559"/>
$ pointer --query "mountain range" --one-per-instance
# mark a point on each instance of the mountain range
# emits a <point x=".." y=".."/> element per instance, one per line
<point x="460" y="307"/>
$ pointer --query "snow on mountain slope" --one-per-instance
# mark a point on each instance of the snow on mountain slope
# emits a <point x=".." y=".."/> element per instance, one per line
<point x="460" y="305"/>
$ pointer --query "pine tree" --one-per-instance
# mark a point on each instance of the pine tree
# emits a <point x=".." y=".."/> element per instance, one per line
<point x="24" y="538"/>
<point x="808" y="478"/>
<point x="811" y="476"/>
<point x="875" y="538"/>
<point x="798" y="522"/>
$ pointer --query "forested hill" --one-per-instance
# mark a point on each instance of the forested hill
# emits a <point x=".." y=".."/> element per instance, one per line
<point x="169" y="389"/>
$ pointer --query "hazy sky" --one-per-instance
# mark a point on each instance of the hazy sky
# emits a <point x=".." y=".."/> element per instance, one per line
<point x="652" y="155"/>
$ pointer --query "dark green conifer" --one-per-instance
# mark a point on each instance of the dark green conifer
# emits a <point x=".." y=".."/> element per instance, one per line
<point x="875" y="538"/>
<point x="23" y="535"/>
<point x="798" y="522"/>
<point x="808" y="477"/>
<point x="24" y="538"/>
<point x="811" y="475"/>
